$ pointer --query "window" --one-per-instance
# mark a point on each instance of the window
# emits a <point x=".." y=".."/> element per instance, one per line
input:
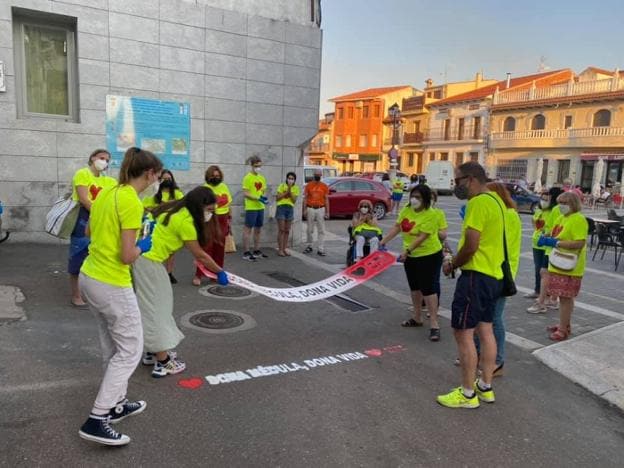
<point x="419" y="162"/>
<point x="538" y="122"/>
<point x="341" y="112"/>
<point x="431" y="156"/>
<point x="374" y="140"/>
<point x="348" y="141"/>
<point x="563" y="168"/>
<point x="443" y="156"/>
<point x="509" y="125"/>
<point x="511" y="169"/>
<point x="365" y="112"/>
<point x="437" y="94"/>
<point x="338" y="141"/>
<point x="410" y="159"/>
<point x="447" y="129"/>
<point x="459" y="158"/>
<point x="362" y="186"/>
<point x="474" y="156"/>
<point x="342" y="187"/>
<point x="45" y="65"/>
<point x="417" y="126"/>
<point x="363" y="141"/>
<point x="376" y="110"/>
<point x="568" y="121"/>
<point x="602" y="118"/>
<point x="460" y="128"/>
<point x="476" y="130"/>
<point x="350" y="112"/>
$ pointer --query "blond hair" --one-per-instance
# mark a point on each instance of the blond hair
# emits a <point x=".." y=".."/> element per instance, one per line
<point x="572" y="200"/>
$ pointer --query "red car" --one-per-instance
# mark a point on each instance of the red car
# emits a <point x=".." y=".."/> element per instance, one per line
<point x="345" y="194"/>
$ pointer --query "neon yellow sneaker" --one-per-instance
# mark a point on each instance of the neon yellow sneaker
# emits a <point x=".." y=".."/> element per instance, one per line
<point x="456" y="399"/>
<point x="486" y="396"/>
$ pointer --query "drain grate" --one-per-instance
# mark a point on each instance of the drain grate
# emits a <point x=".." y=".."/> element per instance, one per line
<point x="340" y="300"/>
<point x="228" y="292"/>
<point x="218" y="321"/>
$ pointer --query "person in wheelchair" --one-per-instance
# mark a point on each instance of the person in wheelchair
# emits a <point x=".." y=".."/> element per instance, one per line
<point x="363" y="232"/>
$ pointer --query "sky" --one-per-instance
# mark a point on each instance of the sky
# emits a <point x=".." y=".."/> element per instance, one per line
<point x="373" y="43"/>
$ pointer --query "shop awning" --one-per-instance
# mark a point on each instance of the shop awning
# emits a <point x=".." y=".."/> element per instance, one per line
<point x="355" y="157"/>
<point x="605" y="156"/>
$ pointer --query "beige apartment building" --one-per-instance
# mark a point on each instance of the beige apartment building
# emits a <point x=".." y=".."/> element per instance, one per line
<point x="569" y="126"/>
<point x="320" y="149"/>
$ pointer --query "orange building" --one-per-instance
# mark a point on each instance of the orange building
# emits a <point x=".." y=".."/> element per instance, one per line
<point x="359" y="130"/>
<point x="319" y="151"/>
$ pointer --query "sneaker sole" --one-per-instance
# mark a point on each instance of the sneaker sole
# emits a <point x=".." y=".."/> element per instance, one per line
<point x="101" y="440"/>
<point x="465" y="406"/>
<point x="134" y="413"/>
<point x="486" y="400"/>
<point x="160" y="376"/>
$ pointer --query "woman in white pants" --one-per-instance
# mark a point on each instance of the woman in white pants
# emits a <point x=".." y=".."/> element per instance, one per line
<point x="365" y="228"/>
<point x="116" y="217"/>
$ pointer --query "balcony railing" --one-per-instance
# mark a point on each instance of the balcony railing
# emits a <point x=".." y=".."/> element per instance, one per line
<point x="416" y="137"/>
<point x="559" y="133"/>
<point x="455" y="133"/>
<point x="318" y="147"/>
<point x="568" y="89"/>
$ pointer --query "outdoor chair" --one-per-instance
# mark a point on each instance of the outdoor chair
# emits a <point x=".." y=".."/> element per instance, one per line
<point x="607" y="239"/>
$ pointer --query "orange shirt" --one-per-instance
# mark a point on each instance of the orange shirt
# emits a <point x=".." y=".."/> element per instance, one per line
<point x="315" y="193"/>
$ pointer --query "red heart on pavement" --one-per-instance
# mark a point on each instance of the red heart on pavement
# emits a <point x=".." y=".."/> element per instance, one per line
<point x="258" y="186"/>
<point x="373" y="352"/>
<point x="94" y="190"/>
<point x="222" y="200"/>
<point x="539" y="224"/>
<point x="407" y="225"/>
<point x="192" y="383"/>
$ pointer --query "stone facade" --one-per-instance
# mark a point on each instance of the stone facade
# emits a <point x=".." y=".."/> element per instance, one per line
<point x="250" y="69"/>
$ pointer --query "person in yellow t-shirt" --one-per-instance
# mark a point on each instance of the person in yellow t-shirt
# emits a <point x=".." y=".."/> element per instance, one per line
<point x="254" y="189"/>
<point x="422" y="255"/>
<point x="569" y="236"/>
<point x="397" y="194"/>
<point x="365" y="228"/>
<point x="286" y="197"/>
<point x="216" y="247"/>
<point x="167" y="191"/>
<point x="116" y="218"/>
<point x="480" y="256"/>
<point x="190" y="223"/>
<point x="86" y="185"/>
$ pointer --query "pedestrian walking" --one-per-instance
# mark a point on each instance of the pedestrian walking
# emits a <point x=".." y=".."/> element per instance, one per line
<point x="254" y="188"/>
<point x="215" y="247"/>
<point x="86" y="185"/>
<point x="188" y="222"/>
<point x="105" y="280"/>
<point x="285" y="198"/>
<point x="422" y="255"/>
<point x="480" y="256"/>
<point x="316" y="203"/>
<point x="168" y="190"/>
<point x="566" y="266"/>
<point x="365" y="229"/>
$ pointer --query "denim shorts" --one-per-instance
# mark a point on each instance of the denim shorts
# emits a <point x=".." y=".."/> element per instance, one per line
<point x="285" y="212"/>
<point x="474" y="300"/>
<point x="396" y="196"/>
<point x="254" y="218"/>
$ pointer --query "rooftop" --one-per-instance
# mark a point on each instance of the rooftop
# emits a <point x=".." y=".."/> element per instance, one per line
<point x="369" y="93"/>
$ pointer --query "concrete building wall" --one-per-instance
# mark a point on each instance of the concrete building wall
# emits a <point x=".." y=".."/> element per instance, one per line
<point x="249" y="68"/>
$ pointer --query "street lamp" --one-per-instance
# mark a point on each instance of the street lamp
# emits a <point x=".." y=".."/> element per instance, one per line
<point x="395" y="114"/>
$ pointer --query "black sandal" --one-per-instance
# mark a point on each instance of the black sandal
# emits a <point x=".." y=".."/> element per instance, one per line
<point x="434" y="334"/>
<point x="411" y="323"/>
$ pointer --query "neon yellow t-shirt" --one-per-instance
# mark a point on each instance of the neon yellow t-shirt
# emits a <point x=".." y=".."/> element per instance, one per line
<point x="551" y="220"/>
<point x="539" y="224"/>
<point x="571" y="228"/>
<point x="441" y="217"/>
<point x="513" y="234"/>
<point x="397" y="186"/>
<point x="168" y="239"/>
<point x="85" y="178"/>
<point x="294" y="190"/>
<point x="483" y="214"/>
<point x="115" y="208"/>
<point x="150" y="202"/>
<point x="413" y="223"/>
<point x="224" y="197"/>
<point x="256" y="185"/>
<point x="361" y="228"/>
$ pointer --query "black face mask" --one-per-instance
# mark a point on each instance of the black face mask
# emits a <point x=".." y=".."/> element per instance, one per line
<point x="166" y="183"/>
<point x="317" y="178"/>
<point x="214" y="180"/>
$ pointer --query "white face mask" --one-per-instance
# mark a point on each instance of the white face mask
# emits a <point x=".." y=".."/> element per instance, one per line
<point x="565" y="209"/>
<point x="100" y="164"/>
<point x="257" y="170"/>
<point x="415" y="203"/>
<point x="207" y="216"/>
<point x="544" y="204"/>
<point x="364" y="210"/>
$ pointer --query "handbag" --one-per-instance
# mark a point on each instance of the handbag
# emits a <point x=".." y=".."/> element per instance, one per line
<point x="272" y="210"/>
<point x="562" y="260"/>
<point x="230" y="245"/>
<point x="509" y="285"/>
<point x="62" y="217"/>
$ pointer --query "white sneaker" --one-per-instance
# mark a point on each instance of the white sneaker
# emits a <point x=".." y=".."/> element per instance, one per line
<point x="537" y="309"/>
<point x="532" y="295"/>
<point x="174" y="366"/>
<point x="552" y="305"/>
<point x="149" y="359"/>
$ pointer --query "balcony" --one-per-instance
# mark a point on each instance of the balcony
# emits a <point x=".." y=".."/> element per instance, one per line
<point x="470" y="133"/>
<point x="564" y="90"/>
<point x="318" y="148"/>
<point x="560" y="138"/>
<point x="413" y="138"/>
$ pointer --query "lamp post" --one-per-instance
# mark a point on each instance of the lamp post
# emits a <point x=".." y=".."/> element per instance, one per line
<point x="395" y="114"/>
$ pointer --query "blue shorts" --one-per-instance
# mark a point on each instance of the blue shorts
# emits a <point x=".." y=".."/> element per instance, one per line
<point x="285" y="212"/>
<point x="396" y="196"/>
<point x="474" y="300"/>
<point x="254" y="218"/>
<point x="78" y="251"/>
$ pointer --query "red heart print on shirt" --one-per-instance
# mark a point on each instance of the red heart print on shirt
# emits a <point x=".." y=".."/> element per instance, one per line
<point x="222" y="200"/>
<point x="556" y="231"/>
<point x="539" y="224"/>
<point x="94" y="190"/>
<point x="258" y="186"/>
<point x="407" y="225"/>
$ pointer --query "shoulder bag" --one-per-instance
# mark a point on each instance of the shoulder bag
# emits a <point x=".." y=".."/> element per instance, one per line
<point x="562" y="260"/>
<point x="62" y="217"/>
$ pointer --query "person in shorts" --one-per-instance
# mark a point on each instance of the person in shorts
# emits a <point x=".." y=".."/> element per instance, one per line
<point x="254" y="187"/>
<point x="286" y="197"/>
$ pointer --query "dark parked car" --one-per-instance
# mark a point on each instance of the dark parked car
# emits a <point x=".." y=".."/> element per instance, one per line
<point x="526" y="201"/>
<point x="345" y="194"/>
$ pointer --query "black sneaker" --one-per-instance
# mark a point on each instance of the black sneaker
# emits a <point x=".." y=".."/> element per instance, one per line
<point x="172" y="279"/>
<point x="249" y="256"/>
<point x="308" y="249"/>
<point x="321" y="253"/>
<point x="126" y="408"/>
<point x="259" y="254"/>
<point x="98" y="429"/>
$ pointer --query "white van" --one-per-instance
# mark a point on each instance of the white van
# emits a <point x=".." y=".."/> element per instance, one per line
<point x="328" y="171"/>
<point x="441" y="176"/>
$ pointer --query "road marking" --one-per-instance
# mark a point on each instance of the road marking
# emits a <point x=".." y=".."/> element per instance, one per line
<point x="67" y="383"/>
<point x="592" y="270"/>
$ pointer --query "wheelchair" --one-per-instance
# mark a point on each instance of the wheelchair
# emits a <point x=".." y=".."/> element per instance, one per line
<point x="350" y="260"/>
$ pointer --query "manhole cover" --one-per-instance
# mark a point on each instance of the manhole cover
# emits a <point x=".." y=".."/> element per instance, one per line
<point x="226" y="292"/>
<point x="218" y="321"/>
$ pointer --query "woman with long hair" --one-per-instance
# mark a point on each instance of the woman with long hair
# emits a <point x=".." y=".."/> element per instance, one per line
<point x="86" y="185"/>
<point x="215" y="246"/>
<point x="167" y="190"/>
<point x="105" y="280"/>
<point x="286" y="197"/>
<point x="190" y="223"/>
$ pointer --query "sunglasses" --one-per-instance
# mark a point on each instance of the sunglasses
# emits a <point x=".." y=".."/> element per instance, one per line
<point x="459" y="179"/>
